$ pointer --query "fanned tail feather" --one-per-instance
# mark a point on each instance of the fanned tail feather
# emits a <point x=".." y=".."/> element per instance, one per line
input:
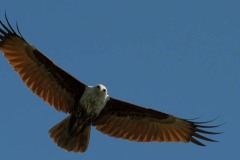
<point x="77" y="141"/>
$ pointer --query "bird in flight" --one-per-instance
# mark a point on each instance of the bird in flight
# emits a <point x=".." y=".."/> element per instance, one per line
<point x="91" y="105"/>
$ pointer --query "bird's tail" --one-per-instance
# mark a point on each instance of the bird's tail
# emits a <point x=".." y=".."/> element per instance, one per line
<point x="71" y="135"/>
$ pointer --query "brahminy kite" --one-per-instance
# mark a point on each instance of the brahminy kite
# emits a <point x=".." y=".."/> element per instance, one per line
<point x="90" y="105"/>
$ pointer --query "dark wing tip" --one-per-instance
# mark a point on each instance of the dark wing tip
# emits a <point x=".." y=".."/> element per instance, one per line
<point x="18" y="30"/>
<point x="2" y="32"/>
<point x="203" y="122"/>
<point x="193" y="140"/>
<point x="203" y="137"/>
<point x="6" y="30"/>
<point x="9" y="25"/>
<point x="206" y="132"/>
<point x="202" y="126"/>
<point x="197" y="129"/>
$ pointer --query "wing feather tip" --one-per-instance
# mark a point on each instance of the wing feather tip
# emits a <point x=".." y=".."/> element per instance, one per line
<point x="199" y="128"/>
<point x="203" y="137"/>
<point x="195" y="141"/>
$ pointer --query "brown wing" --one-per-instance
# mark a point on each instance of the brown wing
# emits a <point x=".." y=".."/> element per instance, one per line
<point x="124" y="120"/>
<point x="42" y="76"/>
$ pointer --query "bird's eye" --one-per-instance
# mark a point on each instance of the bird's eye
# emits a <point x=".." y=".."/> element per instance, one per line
<point x="104" y="90"/>
<point x="98" y="87"/>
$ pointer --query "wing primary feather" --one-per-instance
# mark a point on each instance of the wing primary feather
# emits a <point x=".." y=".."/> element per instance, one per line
<point x="203" y="138"/>
<point x="206" y="132"/>
<point x="192" y="119"/>
<point x="193" y="140"/>
<point x="206" y="121"/>
<point x="12" y="30"/>
<point x="201" y="126"/>
<point x="19" y="30"/>
<point x="5" y="27"/>
<point x="2" y="31"/>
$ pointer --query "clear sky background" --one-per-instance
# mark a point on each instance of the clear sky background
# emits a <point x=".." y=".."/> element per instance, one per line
<point x="179" y="57"/>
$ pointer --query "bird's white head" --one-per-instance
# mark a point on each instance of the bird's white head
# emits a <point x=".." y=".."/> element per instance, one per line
<point x="98" y="90"/>
<point x="101" y="88"/>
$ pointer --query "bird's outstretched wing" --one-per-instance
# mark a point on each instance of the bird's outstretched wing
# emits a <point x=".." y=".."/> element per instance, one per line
<point x="128" y="121"/>
<point x="41" y="75"/>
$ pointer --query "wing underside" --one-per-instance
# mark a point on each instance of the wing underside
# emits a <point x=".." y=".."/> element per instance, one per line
<point x="41" y="75"/>
<point x="124" y="120"/>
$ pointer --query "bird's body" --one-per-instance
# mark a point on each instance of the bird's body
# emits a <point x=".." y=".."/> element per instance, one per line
<point x="94" y="99"/>
<point x="76" y="127"/>
<point x="90" y="106"/>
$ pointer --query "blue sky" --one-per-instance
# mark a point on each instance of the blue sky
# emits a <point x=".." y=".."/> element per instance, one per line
<point x="179" y="57"/>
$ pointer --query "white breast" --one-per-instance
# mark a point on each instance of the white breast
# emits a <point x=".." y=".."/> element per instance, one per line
<point x="93" y="100"/>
